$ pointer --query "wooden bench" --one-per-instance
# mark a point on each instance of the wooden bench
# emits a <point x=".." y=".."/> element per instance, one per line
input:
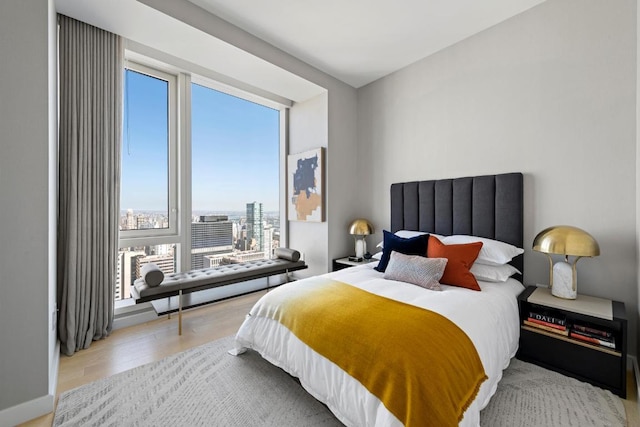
<point x="177" y="284"/>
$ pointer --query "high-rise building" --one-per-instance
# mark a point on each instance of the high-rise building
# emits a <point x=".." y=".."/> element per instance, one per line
<point x="268" y="242"/>
<point x="212" y="235"/>
<point x="131" y="220"/>
<point x="255" y="226"/>
<point x="165" y="263"/>
<point x="118" y="291"/>
<point x="126" y="272"/>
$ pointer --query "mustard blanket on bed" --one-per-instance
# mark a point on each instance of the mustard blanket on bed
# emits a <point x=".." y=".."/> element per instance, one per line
<point x="421" y="366"/>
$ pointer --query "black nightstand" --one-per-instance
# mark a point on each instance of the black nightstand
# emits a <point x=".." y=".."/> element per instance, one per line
<point x="596" y="364"/>
<point x="340" y="263"/>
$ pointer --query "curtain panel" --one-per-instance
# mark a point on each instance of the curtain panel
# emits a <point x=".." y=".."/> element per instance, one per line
<point x="90" y="132"/>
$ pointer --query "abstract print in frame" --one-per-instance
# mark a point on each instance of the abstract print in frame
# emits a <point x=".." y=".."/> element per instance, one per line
<point x="305" y="182"/>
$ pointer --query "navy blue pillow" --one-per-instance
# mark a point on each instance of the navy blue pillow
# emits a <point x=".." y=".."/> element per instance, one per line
<point x="412" y="246"/>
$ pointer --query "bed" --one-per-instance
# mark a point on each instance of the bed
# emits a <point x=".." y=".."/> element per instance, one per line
<point x="490" y="207"/>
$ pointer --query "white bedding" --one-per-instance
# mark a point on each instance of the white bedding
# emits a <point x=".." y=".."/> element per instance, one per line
<point x="489" y="318"/>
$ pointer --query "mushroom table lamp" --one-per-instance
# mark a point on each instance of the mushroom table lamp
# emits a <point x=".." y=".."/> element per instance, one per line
<point x="360" y="229"/>
<point x="568" y="241"/>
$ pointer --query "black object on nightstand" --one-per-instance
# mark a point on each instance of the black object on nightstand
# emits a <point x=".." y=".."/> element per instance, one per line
<point x="543" y="340"/>
<point x="346" y="262"/>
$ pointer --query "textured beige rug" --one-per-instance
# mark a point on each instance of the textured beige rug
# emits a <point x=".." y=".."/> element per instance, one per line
<point x="205" y="386"/>
<point x="529" y="396"/>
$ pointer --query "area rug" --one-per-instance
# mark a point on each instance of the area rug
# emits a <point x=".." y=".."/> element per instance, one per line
<point x="529" y="395"/>
<point x="205" y="386"/>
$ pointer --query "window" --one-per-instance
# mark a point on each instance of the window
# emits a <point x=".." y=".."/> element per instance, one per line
<point x="147" y="186"/>
<point x="235" y="148"/>
<point x="200" y="170"/>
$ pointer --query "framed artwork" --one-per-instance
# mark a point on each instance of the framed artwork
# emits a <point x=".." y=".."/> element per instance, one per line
<point x="305" y="186"/>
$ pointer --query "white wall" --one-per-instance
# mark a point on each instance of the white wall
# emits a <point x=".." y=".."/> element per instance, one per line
<point x="27" y="212"/>
<point x="550" y="93"/>
<point x="52" y="194"/>
<point x="308" y="129"/>
<point x="311" y="125"/>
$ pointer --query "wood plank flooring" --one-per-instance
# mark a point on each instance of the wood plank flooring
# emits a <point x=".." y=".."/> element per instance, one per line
<point x="136" y="345"/>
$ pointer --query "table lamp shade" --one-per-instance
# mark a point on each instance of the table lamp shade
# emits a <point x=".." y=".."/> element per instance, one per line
<point x="360" y="228"/>
<point x="568" y="241"/>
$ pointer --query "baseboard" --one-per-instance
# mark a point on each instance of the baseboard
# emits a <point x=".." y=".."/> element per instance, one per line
<point x="27" y="411"/>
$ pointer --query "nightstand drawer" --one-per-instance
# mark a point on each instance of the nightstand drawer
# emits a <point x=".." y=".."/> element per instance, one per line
<point x="586" y="364"/>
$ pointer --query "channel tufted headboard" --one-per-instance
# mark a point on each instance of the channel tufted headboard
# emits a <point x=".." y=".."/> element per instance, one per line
<point x="486" y="206"/>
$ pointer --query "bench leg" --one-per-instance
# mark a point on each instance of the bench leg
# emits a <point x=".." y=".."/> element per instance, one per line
<point x="169" y="308"/>
<point x="180" y="312"/>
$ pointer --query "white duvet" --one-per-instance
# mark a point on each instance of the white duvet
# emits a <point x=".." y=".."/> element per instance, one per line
<point x="489" y="318"/>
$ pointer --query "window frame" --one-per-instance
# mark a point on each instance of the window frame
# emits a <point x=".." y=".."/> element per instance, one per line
<point x="179" y="150"/>
<point x="144" y="237"/>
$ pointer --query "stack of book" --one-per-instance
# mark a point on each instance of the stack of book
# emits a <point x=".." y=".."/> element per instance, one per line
<point x="593" y="335"/>
<point x="547" y="321"/>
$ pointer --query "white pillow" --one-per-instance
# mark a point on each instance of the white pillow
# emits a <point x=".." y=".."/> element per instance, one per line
<point x="407" y="234"/>
<point x="416" y="269"/>
<point x="493" y="273"/>
<point x="493" y="252"/>
<point x="377" y="255"/>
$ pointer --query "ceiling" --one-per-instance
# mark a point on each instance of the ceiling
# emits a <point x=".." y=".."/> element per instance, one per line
<point x="355" y="41"/>
<point x="359" y="41"/>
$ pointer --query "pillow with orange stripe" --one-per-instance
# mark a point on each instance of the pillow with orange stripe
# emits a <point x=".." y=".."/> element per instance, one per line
<point x="460" y="259"/>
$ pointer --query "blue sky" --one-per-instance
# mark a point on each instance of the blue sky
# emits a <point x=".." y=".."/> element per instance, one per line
<point x="235" y="149"/>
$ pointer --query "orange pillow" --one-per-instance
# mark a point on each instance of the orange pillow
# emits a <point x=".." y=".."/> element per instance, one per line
<point x="460" y="259"/>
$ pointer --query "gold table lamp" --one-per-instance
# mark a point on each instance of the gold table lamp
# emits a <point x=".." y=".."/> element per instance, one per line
<point x="360" y="229"/>
<point x="568" y="241"/>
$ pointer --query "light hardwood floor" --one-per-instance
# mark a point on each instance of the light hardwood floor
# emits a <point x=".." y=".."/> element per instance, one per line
<point x="136" y="345"/>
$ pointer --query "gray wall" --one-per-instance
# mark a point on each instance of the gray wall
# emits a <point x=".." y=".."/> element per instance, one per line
<point x="550" y="93"/>
<point x="27" y="212"/>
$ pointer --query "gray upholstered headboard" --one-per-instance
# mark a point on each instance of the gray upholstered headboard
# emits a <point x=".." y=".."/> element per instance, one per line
<point x="487" y="206"/>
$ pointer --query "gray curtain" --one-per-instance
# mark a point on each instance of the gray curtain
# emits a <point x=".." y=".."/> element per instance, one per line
<point x="90" y="128"/>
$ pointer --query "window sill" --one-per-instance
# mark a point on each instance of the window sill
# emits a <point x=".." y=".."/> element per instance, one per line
<point x="127" y="313"/>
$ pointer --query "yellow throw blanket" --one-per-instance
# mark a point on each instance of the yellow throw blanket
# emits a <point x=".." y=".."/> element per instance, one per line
<point x="421" y="366"/>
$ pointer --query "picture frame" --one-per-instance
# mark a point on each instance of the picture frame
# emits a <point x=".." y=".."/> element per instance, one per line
<point x="305" y="186"/>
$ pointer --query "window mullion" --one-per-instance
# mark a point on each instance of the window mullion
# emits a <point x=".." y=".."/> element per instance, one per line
<point x="184" y="102"/>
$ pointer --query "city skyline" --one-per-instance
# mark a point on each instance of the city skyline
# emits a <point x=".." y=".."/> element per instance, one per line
<point x="215" y="240"/>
